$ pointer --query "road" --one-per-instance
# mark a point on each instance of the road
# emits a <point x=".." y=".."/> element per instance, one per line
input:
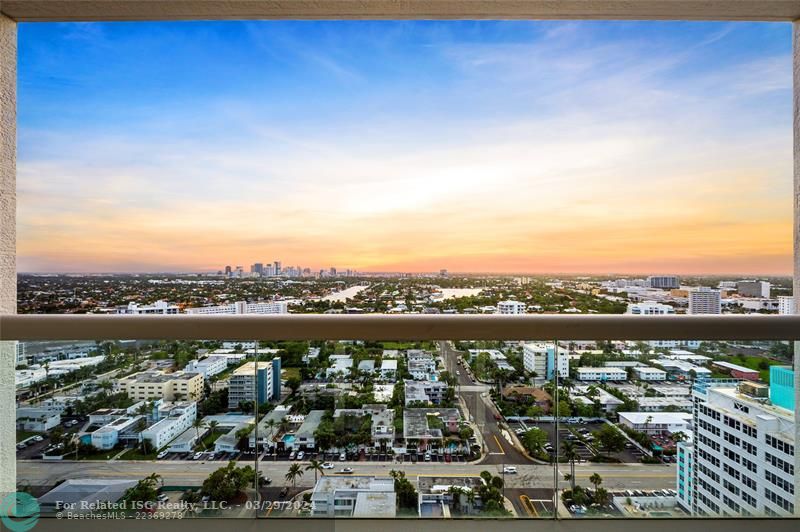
<point x="183" y="473"/>
<point x="482" y="412"/>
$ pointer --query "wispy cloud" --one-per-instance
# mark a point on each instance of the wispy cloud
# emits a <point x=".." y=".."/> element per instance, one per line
<point x="504" y="147"/>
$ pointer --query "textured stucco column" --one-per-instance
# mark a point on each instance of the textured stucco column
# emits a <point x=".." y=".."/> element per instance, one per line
<point x="8" y="245"/>
<point x="796" y="230"/>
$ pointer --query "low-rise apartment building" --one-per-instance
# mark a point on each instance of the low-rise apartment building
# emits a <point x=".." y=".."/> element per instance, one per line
<point x="650" y="374"/>
<point x="37" y="419"/>
<point x="209" y="366"/>
<point x="353" y="496"/>
<point x="171" y="420"/>
<point x="602" y="374"/>
<point x="243" y="307"/>
<point x="170" y="387"/>
<point x="433" y="392"/>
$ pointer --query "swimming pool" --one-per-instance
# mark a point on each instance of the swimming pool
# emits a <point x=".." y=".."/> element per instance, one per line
<point x="288" y="439"/>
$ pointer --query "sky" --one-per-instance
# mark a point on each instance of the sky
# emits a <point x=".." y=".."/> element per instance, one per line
<point x="493" y="146"/>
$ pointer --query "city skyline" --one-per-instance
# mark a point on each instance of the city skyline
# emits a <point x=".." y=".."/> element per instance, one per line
<point x="510" y="147"/>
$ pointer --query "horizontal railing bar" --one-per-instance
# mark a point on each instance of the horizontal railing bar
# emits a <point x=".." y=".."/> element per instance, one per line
<point x="408" y="327"/>
<point x="132" y="10"/>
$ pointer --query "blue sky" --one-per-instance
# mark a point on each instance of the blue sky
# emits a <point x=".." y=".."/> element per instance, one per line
<point x="503" y="146"/>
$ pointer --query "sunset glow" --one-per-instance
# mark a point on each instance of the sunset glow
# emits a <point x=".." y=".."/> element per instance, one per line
<point x="476" y="147"/>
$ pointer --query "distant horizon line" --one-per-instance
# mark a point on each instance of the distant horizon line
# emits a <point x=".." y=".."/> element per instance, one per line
<point x="435" y="274"/>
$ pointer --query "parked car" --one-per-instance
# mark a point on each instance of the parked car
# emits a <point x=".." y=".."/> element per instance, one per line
<point x="197" y="456"/>
<point x="510" y="470"/>
<point x="37" y="439"/>
<point x="342" y="457"/>
<point x="163" y="497"/>
<point x="428" y="457"/>
<point x="292" y="455"/>
<point x="161" y="455"/>
<point x="301" y="455"/>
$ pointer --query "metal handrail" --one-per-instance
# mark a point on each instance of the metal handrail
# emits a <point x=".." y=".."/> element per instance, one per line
<point x="406" y="327"/>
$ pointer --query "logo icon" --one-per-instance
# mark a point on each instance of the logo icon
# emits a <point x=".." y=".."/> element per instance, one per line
<point x="19" y="511"/>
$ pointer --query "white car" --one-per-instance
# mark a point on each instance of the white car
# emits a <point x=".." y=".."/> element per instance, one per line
<point x="328" y="465"/>
<point x="301" y="455"/>
<point x="342" y="457"/>
<point x="161" y="455"/>
<point x="37" y="439"/>
<point x="510" y="470"/>
<point x="292" y="455"/>
<point x="197" y="456"/>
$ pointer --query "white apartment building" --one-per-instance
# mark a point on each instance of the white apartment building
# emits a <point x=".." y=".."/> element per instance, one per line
<point x="540" y="358"/>
<point x="650" y="308"/>
<point x="425" y="391"/>
<point x="243" y="307"/>
<point x="511" y="307"/>
<point x="741" y="460"/>
<point x="159" y="385"/>
<point x="704" y="300"/>
<point x="260" y="383"/>
<point x="753" y="288"/>
<point x="107" y="436"/>
<point x="602" y="374"/>
<point x="388" y="369"/>
<point x="37" y="419"/>
<point x="646" y="373"/>
<point x="159" y="307"/>
<point x="172" y="419"/>
<point x="656" y="422"/>
<point x="353" y="496"/>
<point x="786" y="305"/>
<point x="209" y="366"/>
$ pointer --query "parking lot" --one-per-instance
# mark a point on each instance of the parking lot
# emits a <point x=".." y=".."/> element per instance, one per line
<point x="580" y="434"/>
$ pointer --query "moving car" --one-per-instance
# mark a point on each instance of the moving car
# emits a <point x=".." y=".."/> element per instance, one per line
<point x="510" y="470"/>
<point x="346" y="471"/>
<point x="327" y="465"/>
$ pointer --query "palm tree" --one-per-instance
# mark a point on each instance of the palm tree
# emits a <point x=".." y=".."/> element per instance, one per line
<point x="212" y="425"/>
<point x="154" y="479"/>
<point x="294" y="472"/>
<point x="316" y="466"/>
<point x="568" y="448"/>
<point x="199" y="424"/>
<point x="596" y="480"/>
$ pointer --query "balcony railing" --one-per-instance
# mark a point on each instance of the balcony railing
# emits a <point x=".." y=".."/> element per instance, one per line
<point x="407" y="328"/>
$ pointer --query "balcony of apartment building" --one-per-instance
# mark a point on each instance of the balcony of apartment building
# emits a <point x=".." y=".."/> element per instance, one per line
<point x="419" y="327"/>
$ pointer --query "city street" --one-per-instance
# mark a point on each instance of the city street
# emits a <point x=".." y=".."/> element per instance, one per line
<point x="475" y="395"/>
<point x="615" y="476"/>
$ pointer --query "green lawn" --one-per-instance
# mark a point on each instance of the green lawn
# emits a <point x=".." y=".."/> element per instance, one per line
<point x="288" y="373"/>
<point x="753" y="362"/>
<point x="24" y="435"/>
<point x="208" y="441"/>
<point x="136" y="454"/>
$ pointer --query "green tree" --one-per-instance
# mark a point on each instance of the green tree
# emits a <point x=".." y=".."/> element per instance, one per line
<point x="610" y="438"/>
<point x="534" y="441"/>
<point x="596" y="480"/>
<point x="295" y="471"/>
<point x="227" y="482"/>
<point x="316" y="467"/>
<point x="293" y="383"/>
<point x="571" y="455"/>
<point x="145" y="490"/>
<point x="406" y="493"/>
